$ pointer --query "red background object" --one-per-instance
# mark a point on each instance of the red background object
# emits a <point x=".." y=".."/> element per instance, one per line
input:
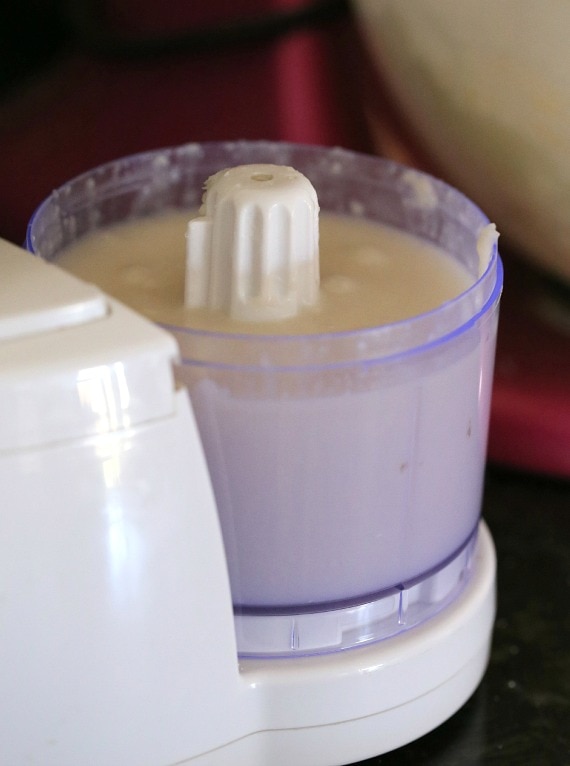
<point x="253" y="69"/>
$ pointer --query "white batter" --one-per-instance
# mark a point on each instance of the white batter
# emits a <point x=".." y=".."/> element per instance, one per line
<point x="370" y="275"/>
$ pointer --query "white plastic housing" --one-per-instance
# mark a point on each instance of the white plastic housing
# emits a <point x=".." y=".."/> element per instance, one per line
<point x="108" y="535"/>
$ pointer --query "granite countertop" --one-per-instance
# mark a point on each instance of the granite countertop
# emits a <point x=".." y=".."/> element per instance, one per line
<point x="520" y="714"/>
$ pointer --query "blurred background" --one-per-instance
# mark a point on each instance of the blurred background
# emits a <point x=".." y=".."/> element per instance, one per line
<point x="476" y="92"/>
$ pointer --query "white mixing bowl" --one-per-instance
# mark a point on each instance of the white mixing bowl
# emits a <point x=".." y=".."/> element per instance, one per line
<point x="484" y="88"/>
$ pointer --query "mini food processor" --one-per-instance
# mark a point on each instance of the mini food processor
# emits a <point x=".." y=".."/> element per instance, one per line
<point x="225" y="548"/>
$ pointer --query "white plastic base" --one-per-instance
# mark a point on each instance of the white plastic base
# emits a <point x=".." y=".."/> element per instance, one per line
<point x="352" y="705"/>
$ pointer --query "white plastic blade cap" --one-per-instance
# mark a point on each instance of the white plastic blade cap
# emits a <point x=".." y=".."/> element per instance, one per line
<point x="253" y="252"/>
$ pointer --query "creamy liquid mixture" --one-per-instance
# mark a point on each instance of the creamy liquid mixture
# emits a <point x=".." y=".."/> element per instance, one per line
<point x="325" y="496"/>
<point x="370" y="275"/>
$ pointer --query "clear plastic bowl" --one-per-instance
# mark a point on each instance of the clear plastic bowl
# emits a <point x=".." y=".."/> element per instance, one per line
<point x="347" y="467"/>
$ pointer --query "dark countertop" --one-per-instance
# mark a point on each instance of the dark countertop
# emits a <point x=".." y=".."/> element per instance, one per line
<point x="520" y="714"/>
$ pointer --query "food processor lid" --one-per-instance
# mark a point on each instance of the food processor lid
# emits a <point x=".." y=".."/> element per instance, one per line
<point x="74" y="363"/>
